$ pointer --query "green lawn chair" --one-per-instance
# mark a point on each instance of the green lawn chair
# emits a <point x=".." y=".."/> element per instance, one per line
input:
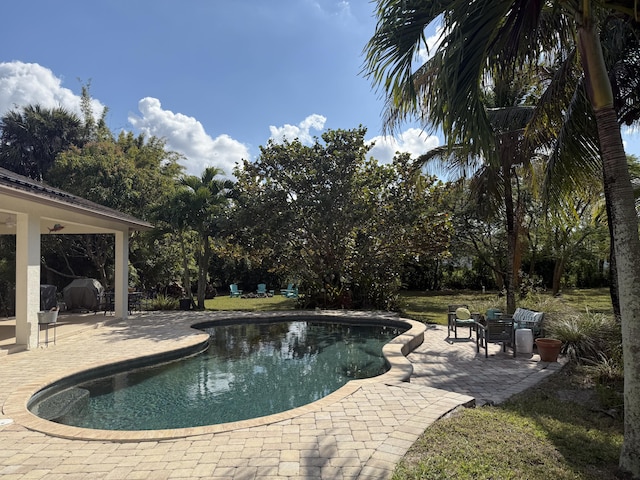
<point x="290" y="291"/>
<point x="285" y="292"/>
<point x="234" y="290"/>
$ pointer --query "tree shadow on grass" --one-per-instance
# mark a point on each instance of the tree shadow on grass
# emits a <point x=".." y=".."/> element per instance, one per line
<point x="569" y="416"/>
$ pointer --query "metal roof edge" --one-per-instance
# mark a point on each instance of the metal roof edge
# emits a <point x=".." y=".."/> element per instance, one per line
<point x="23" y="187"/>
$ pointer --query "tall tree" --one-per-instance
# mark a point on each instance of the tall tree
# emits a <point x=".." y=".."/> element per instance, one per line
<point x="565" y="127"/>
<point x="205" y="199"/>
<point x="171" y="220"/>
<point x="296" y="207"/>
<point x="132" y="175"/>
<point x="494" y="178"/>
<point x="32" y="138"/>
<point x="580" y="218"/>
<point x="447" y="92"/>
<point x="341" y="224"/>
<point x="94" y="129"/>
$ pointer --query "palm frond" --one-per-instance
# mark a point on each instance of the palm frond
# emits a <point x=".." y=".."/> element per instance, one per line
<point x="621" y="44"/>
<point x="506" y="119"/>
<point x="452" y="162"/>
<point x="575" y="159"/>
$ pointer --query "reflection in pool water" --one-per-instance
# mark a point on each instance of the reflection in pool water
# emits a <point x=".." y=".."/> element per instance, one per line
<point x="248" y="371"/>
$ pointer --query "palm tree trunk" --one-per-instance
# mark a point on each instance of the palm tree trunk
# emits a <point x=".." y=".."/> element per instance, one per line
<point x="518" y="243"/>
<point x="203" y="267"/>
<point x="186" y="278"/>
<point x="558" y="270"/>
<point x="512" y="233"/>
<point x="625" y="240"/>
<point x="613" y="273"/>
<point x="511" y="246"/>
<point x="626" y="247"/>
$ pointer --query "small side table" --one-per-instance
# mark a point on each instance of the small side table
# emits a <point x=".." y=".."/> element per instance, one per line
<point x="48" y="318"/>
<point x="524" y="340"/>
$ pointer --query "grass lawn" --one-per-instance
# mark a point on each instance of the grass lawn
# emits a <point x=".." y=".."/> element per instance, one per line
<point x="225" y="302"/>
<point x="431" y="307"/>
<point x="533" y="436"/>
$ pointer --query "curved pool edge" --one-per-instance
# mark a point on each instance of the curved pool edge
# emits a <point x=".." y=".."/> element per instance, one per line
<point x="16" y="404"/>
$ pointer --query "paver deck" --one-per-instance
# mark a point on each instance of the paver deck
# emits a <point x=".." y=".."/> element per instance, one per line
<point x="359" y="432"/>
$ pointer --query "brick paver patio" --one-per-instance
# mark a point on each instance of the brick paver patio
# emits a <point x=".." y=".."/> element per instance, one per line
<point x="359" y="432"/>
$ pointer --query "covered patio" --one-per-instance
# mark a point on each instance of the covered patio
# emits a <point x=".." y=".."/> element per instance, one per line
<point x="67" y="325"/>
<point x="30" y="209"/>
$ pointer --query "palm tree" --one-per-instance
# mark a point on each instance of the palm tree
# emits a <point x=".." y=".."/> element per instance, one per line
<point x="32" y="138"/>
<point x="447" y="92"/>
<point x="204" y="198"/>
<point x="492" y="178"/>
<point x="171" y="219"/>
<point x="574" y="150"/>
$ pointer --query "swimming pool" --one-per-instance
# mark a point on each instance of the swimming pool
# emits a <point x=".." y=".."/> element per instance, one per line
<point x="250" y="369"/>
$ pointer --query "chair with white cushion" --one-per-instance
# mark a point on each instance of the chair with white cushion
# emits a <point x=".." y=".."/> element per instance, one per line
<point x="525" y="318"/>
<point x="459" y="316"/>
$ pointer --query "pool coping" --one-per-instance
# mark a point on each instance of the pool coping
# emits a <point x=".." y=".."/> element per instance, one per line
<point x="395" y="352"/>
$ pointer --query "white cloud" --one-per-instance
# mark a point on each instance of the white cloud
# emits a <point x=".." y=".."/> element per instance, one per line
<point x="413" y="140"/>
<point x="432" y="44"/>
<point x="187" y="136"/>
<point x="23" y="84"/>
<point x="302" y="131"/>
<point x="332" y="9"/>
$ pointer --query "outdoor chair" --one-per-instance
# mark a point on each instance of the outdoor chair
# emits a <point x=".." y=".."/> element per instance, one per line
<point x="498" y="330"/>
<point x="262" y="290"/>
<point x="459" y="316"/>
<point x="134" y="301"/>
<point x="525" y="318"/>
<point x="290" y="291"/>
<point x="293" y="293"/>
<point x="107" y="302"/>
<point x="234" y="290"/>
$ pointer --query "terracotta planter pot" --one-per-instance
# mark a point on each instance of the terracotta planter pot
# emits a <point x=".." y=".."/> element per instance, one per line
<point x="549" y="349"/>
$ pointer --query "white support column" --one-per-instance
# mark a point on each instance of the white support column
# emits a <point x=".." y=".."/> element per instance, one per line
<point x="121" y="274"/>
<point x="27" y="279"/>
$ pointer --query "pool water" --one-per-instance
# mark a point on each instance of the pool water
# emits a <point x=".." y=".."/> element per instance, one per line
<point x="248" y="371"/>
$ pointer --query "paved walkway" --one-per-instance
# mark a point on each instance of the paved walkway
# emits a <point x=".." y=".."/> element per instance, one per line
<point x="359" y="432"/>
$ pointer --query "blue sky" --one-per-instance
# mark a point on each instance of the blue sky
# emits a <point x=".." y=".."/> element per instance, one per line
<point x="216" y="79"/>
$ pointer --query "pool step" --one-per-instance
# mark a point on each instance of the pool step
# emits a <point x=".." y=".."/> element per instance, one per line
<point x="60" y="404"/>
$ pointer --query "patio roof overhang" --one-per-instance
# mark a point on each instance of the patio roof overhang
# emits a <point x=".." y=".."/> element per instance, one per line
<point x="20" y="194"/>
<point x="29" y="209"/>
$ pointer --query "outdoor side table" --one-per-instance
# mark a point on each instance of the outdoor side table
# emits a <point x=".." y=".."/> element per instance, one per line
<point x="524" y="340"/>
<point x="48" y="318"/>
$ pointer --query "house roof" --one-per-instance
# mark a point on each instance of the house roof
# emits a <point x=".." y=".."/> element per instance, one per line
<point x="23" y="189"/>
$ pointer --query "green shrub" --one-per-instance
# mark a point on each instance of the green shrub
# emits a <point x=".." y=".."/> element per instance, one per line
<point x="459" y="278"/>
<point x="482" y="304"/>
<point x="553" y="307"/>
<point x="586" y="337"/>
<point x="162" y="302"/>
<point x="608" y="376"/>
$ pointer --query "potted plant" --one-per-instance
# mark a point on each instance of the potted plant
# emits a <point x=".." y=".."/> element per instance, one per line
<point x="549" y="349"/>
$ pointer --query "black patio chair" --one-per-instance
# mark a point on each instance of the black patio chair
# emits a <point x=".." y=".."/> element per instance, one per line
<point x="498" y="330"/>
